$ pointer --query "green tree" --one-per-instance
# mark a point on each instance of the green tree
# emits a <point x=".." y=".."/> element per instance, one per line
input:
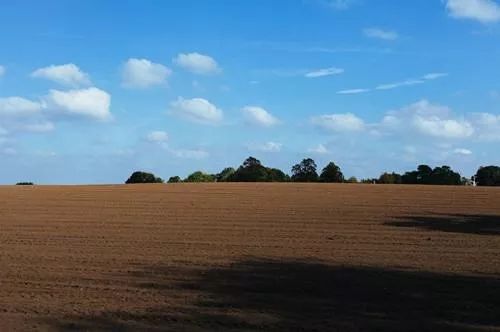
<point x="199" y="176"/>
<point x="305" y="171"/>
<point x="443" y="175"/>
<point x="390" y="178"/>
<point x="488" y="176"/>
<point x="225" y="175"/>
<point x="143" y="177"/>
<point x="331" y="173"/>
<point x="174" y="179"/>
<point x="352" y="179"/>
<point x="250" y="171"/>
<point x="276" y="175"/>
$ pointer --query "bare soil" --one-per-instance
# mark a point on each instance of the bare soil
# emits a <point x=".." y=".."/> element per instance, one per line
<point x="249" y="257"/>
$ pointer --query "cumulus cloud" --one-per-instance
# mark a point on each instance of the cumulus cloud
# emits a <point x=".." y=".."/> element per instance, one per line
<point x="197" y="110"/>
<point x="197" y="63"/>
<point x="429" y="120"/>
<point x="380" y="34"/>
<point x="157" y="136"/>
<point x="92" y="103"/>
<point x="142" y="73"/>
<point x="488" y="126"/>
<point x="324" y="72"/>
<point x="18" y="106"/>
<point x="67" y="75"/>
<point x="266" y="147"/>
<point x="259" y="116"/>
<point x="484" y="11"/>
<point x="2" y="70"/>
<point x="346" y="122"/>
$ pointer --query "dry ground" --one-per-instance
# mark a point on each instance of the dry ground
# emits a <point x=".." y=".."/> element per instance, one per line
<point x="270" y="257"/>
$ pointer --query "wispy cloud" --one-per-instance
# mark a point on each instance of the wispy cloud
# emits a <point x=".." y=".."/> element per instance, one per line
<point x="394" y="85"/>
<point x="380" y="34"/>
<point x="338" y="4"/>
<point x="389" y="86"/>
<point x="324" y="72"/>
<point x="352" y="91"/>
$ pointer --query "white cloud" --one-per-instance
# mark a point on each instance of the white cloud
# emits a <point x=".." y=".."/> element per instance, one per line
<point x="352" y="91"/>
<point x="142" y="73"/>
<point x="339" y="4"/>
<point x="484" y="11"/>
<point x="339" y="122"/>
<point x="197" y="63"/>
<point x="40" y="127"/>
<point x="258" y="116"/>
<point x="157" y="137"/>
<point x="92" y="102"/>
<point x="488" y="126"/>
<point x="197" y="110"/>
<point x="9" y="151"/>
<point x="380" y="34"/>
<point x="2" y="70"/>
<point x="320" y="149"/>
<point x="67" y="75"/>
<point x="446" y="128"/>
<point x="390" y="86"/>
<point x="266" y="147"/>
<point x="18" y="106"/>
<point x="433" y="76"/>
<point x="462" y="151"/>
<point x="324" y="72"/>
<point x="429" y="120"/>
<point x="189" y="154"/>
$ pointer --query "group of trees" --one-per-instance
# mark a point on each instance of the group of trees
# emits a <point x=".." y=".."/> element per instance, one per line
<point x="424" y="174"/>
<point x="252" y="170"/>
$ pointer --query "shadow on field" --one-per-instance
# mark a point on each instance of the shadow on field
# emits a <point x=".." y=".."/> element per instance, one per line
<point x="269" y="295"/>
<point x="457" y="223"/>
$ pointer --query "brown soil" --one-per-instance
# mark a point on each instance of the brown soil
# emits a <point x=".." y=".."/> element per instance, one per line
<point x="246" y="257"/>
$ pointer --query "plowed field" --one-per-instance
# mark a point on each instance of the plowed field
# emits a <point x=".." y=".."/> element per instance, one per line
<point x="246" y="257"/>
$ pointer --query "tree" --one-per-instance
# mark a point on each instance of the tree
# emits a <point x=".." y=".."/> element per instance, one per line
<point x="390" y="178"/>
<point x="250" y="171"/>
<point x="199" y="176"/>
<point x="276" y="175"/>
<point x="143" y="177"/>
<point x="488" y="176"/>
<point x="305" y="171"/>
<point x="331" y="173"/>
<point x="443" y="175"/>
<point x="225" y="174"/>
<point x="174" y="179"/>
<point x="352" y="179"/>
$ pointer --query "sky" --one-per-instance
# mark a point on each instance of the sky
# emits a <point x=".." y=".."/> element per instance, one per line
<point x="91" y="91"/>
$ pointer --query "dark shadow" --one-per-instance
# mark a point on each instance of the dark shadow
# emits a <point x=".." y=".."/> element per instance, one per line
<point x="290" y="295"/>
<point x="456" y="223"/>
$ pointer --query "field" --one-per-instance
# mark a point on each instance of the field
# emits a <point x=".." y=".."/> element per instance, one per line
<point x="245" y="257"/>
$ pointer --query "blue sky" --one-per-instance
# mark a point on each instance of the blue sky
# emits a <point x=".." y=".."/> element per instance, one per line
<point x="93" y="90"/>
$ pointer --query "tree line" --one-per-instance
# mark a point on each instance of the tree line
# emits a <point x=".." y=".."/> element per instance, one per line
<point x="252" y="170"/>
